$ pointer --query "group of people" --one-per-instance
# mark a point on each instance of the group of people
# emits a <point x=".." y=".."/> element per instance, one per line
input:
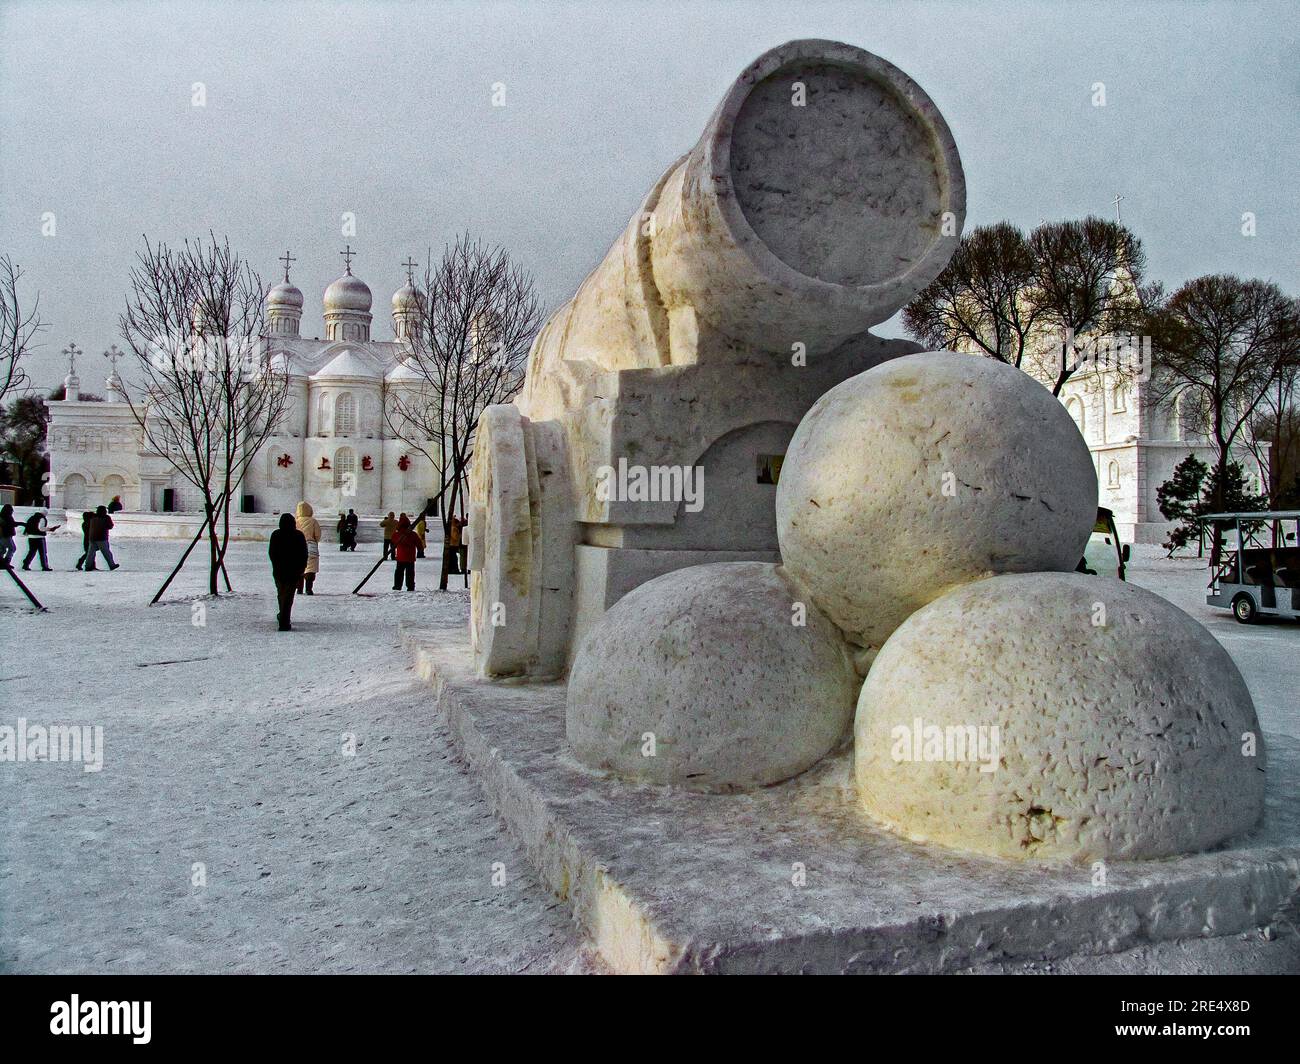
<point x="95" y="527"/>
<point x="294" y="551"/>
<point x="347" y="529"/>
<point x="390" y="525"/>
<point x="295" y="559"/>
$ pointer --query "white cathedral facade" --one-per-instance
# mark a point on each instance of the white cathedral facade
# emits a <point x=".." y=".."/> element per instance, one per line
<point x="1136" y="444"/>
<point x="333" y="447"/>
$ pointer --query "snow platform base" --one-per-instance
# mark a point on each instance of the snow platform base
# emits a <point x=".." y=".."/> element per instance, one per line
<point x="791" y="879"/>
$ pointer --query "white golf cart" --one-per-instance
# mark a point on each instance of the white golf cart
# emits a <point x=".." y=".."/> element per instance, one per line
<point x="1259" y="570"/>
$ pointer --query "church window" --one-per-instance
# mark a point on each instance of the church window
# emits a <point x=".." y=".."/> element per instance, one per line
<point x="1119" y="399"/>
<point x="345" y="415"/>
<point x="345" y="467"/>
<point x="322" y="414"/>
<point x="1112" y="475"/>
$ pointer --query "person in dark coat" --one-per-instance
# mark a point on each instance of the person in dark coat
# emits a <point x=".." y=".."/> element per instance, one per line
<point x="352" y="530"/>
<point x="342" y="529"/>
<point x="8" y="530"/>
<point x="406" y="545"/>
<point x="100" y="524"/>
<point x="34" y="529"/>
<point x="86" y="517"/>
<point x="115" y="505"/>
<point x="288" y="554"/>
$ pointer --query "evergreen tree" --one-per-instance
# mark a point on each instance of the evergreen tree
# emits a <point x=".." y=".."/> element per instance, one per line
<point x="1191" y="493"/>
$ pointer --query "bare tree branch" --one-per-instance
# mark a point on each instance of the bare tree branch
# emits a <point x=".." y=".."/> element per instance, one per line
<point x="19" y="325"/>
<point x="1221" y="345"/>
<point x="479" y="314"/>
<point x="210" y="395"/>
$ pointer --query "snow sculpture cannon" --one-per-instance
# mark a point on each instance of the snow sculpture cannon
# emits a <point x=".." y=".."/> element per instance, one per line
<point x="825" y="191"/>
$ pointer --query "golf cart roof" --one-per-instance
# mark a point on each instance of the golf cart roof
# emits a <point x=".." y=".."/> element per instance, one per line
<point x="1254" y="515"/>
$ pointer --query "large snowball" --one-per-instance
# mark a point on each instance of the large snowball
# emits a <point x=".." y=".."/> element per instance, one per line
<point x="1123" y="729"/>
<point x="925" y="473"/>
<point x="725" y="673"/>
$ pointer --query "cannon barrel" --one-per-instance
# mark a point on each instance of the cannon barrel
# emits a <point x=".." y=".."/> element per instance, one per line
<point x="825" y="191"/>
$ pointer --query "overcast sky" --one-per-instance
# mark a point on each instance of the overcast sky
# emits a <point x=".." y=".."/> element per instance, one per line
<point x="385" y="110"/>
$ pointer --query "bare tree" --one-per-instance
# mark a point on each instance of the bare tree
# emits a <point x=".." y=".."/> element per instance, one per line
<point x="1273" y="434"/>
<point x="1051" y="304"/>
<point x="479" y="314"/>
<point x="210" y="396"/>
<point x="983" y="300"/>
<point x="19" y="325"/>
<point x="1220" y="345"/>
<point x="1088" y="289"/>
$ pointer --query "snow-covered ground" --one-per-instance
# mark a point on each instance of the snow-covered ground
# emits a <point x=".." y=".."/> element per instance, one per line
<point x="224" y="748"/>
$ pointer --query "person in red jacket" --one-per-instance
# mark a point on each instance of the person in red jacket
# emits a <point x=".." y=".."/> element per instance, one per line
<point x="406" y="545"/>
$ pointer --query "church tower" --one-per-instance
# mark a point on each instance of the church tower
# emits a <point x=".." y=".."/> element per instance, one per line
<point x="408" y="306"/>
<point x="347" y="306"/>
<point x="283" y="305"/>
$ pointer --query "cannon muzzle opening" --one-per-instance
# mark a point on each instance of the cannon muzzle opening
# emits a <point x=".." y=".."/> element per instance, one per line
<point x="824" y="193"/>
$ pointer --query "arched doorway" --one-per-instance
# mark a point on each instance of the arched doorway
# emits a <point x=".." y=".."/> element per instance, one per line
<point x="113" y="486"/>
<point x="739" y="491"/>
<point x="74" y="492"/>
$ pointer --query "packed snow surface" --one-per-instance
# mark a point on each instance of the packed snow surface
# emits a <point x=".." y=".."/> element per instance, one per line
<point x="228" y="831"/>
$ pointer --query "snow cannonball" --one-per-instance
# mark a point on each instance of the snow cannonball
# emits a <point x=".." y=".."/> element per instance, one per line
<point x="1055" y="717"/>
<point x="924" y="473"/>
<point x="712" y="678"/>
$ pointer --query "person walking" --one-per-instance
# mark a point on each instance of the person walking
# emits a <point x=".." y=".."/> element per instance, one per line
<point x="389" y="525"/>
<point x="352" y="531"/>
<point x="8" y="530"/>
<point x="100" y="523"/>
<point x="456" y="543"/>
<point x="342" y="529"/>
<point x="35" y="529"/>
<point x="405" y="547"/>
<point x="86" y="517"/>
<point x="288" y="554"/>
<point x="310" y="529"/>
<point x="421" y="530"/>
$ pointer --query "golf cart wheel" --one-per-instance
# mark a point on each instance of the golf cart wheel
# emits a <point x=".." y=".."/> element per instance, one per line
<point x="1243" y="608"/>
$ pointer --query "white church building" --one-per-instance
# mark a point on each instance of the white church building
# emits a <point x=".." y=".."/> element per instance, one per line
<point x="333" y="447"/>
<point x="1136" y="444"/>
